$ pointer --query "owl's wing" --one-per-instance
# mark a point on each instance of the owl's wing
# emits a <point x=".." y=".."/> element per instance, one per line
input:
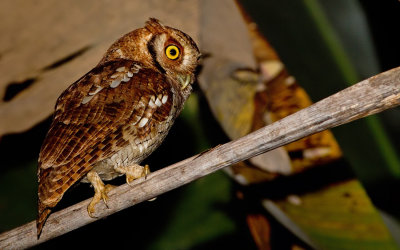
<point x="92" y="119"/>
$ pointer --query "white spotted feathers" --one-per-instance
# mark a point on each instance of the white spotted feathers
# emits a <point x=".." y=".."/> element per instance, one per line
<point x="122" y="74"/>
<point x="153" y="103"/>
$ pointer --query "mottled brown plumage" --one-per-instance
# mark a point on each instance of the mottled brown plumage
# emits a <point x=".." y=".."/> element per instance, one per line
<point x="116" y="115"/>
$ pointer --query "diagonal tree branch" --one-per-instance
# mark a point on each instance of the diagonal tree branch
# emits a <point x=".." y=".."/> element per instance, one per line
<point x="365" y="98"/>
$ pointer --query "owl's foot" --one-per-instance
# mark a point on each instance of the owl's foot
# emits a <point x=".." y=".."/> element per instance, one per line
<point x="133" y="172"/>
<point x="100" y="190"/>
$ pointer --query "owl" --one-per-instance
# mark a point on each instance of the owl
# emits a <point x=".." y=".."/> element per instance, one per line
<point x="107" y="122"/>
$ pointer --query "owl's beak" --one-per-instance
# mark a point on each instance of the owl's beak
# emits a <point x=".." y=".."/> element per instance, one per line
<point x="184" y="80"/>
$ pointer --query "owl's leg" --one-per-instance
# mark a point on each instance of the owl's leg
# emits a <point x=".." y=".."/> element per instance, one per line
<point x="100" y="191"/>
<point x="133" y="172"/>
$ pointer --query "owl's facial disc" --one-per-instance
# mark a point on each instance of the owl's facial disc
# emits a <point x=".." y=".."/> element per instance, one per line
<point x="174" y="54"/>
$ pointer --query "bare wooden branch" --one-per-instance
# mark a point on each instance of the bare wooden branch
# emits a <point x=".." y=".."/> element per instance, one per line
<point x="367" y="97"/>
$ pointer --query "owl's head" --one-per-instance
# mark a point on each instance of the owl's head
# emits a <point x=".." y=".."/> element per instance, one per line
<point x="163" y="48"/>
<point x="173" y="51"/>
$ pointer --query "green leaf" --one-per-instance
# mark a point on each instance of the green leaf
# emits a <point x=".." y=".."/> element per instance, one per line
<point x="339" y="216"/>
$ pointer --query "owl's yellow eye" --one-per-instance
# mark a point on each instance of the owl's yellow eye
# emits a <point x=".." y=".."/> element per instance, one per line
<point x="172" y="52"/>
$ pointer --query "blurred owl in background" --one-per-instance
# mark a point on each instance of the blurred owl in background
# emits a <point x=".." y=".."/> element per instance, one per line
<point x="116" y="115"/>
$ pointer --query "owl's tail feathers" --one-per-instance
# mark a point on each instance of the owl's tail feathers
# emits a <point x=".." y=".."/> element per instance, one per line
<point x="44" y="212"/>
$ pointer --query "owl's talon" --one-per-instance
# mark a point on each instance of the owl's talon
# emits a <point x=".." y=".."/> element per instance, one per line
<point x="104" y="196"/>
<point x="133" y="172"/>
<point x="96" y="199"/>
<point x="127" y="181"/>
<point x="146" y="171"/>
<point x="90" y="208"/>
<point x="100" y="190"/>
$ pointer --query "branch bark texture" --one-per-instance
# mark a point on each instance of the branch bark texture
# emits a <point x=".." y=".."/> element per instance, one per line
<point x="370" y="96"/>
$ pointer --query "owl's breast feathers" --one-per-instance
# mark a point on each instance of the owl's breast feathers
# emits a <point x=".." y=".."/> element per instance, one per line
<point x="110" y="107"/>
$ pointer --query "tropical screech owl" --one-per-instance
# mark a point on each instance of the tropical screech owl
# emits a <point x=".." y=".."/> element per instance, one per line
<point x="116" y="115"/>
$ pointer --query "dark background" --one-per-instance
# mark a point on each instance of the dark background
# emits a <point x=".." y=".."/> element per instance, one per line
<point x="182" y="216"/>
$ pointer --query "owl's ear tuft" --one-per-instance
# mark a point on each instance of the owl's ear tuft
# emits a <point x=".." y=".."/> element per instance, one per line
<point x="154" y="25"/>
